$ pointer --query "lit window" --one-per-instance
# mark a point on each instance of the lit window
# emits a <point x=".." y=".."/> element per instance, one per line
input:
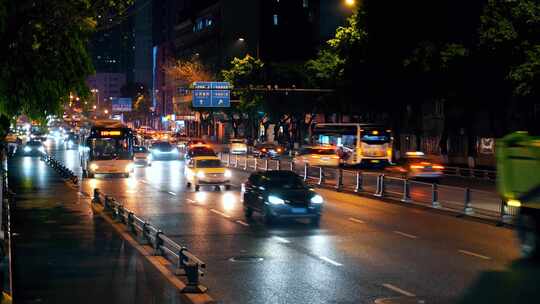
<point x="275" y="19"/>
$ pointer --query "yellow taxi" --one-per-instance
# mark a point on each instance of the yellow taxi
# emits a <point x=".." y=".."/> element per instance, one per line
<point x="207" y="171"/>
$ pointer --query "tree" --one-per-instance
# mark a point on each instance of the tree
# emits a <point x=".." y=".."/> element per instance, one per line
<point x="44" y="52"/>
<point x="244" y="75"/>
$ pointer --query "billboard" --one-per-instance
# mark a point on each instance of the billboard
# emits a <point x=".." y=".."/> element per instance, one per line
<point x="208" y="94"/>
<point x="121" y="104"/>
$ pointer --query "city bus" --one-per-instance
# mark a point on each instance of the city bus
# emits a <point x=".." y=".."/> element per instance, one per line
<point x="358" y="143"/>
<point x="107" y="149"/>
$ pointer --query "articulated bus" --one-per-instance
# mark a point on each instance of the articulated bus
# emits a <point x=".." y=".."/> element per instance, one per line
<point x="107" y="149"/>
<point x="359" y="143"/>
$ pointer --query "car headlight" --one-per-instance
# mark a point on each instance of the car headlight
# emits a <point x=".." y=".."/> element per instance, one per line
<point x="93" y="167"/>
<point x="200" y="174"/>
<point x="228" y="173"/>
<point x="274" y="200"/>
<point x="27" y="149"/>
<point x="129" y="167"/>
<point x="317" y="199"/>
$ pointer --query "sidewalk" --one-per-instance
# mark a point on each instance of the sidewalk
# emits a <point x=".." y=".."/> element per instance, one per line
<point x="63" y="253"/>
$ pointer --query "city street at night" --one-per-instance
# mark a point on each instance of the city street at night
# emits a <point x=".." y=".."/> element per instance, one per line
<point x="270" y="152"/>
<point x="363" y="250"/>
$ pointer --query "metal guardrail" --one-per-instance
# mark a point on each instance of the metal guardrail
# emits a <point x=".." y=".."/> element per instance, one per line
<point x="59" y="167"/>
<point x="6" y="248"/>
<point x="471" y="173"/>
<point x="186" y="263"/>
<point x="465" y="201"/>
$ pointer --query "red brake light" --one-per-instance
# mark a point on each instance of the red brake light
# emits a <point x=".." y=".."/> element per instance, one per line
<point x="417" y="167"/>
<point x="438" y="167"/>
<point x="264" y="149"/>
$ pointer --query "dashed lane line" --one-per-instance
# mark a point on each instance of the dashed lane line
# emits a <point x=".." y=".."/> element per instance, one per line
<point x="281" y="240"/>
<point x="474" y="254"/>
<point x="398" y="290"/>
<point x="405" y="234"/>
<point x="328" y="260"/>
<point x="352" y="219"/>
<point x="171" y="193"/>
<point x="242" y="223"/>
<point x="220" y="213"/>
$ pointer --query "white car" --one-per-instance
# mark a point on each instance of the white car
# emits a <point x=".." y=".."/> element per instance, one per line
<point x="142" y="156"/>
<point x="237" y="146"/>
<point x="318" y="156"/>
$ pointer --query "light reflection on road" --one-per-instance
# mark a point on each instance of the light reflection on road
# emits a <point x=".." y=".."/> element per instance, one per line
<point x="229" y="201"/>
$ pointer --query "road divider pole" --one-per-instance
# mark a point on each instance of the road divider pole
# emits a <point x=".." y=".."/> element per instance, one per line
<point x="468" y="210"/>
<point x="306" y="171"/>
<point x="380" y="186"/>
<point x="266" y="164"/>
<point x="321" y="176"/>
<point x="358" y="187"/>
<point x="339" y="182"/>
<point x="435" y="196"/>
<point x="406" y="191"/>
<point x="255" y="168"/>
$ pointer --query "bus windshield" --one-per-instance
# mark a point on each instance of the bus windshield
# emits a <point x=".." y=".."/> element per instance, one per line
<point x="109" y="148"/>
<point x="375" y="136"/>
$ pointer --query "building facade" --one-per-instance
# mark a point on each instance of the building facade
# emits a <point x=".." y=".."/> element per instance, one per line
<point x="104" y="87"/>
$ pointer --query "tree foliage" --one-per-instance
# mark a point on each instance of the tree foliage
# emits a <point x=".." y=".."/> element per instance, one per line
<point x="44" y="47"/>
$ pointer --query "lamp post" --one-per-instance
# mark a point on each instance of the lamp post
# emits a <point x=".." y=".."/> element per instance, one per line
<point x="96" y="91"/>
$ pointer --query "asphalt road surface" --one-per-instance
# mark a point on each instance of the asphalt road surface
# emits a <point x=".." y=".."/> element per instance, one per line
<point x="363" y="250"/>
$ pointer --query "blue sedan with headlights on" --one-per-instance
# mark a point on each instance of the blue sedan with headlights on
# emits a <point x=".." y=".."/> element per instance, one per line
<point x="33" y="148"/>
<point x="281" y="195"/>
<point x="164" y="151"/>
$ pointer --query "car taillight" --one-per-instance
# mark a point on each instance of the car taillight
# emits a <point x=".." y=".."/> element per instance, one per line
<point x="417" y="167"/>
<point x="335" y="157"/>
<point x="438" y="167"/>
<point x="264" y="149"/>
<point x="315" y="156"/>
<point x="279" y="149"/>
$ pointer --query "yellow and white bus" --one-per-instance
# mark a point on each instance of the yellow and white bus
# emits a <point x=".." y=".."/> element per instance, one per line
<point x="357" y="143"/>
<point x="107" y="149"/>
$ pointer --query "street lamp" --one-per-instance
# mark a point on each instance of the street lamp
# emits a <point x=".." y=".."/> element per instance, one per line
<point x="350" y="2"/>
<point x="241" y="39"/>
<point x="106" y="111"/>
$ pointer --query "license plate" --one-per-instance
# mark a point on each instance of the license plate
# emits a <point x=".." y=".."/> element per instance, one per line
<point x="299" y="210"/>
<point x="325" y="159"/>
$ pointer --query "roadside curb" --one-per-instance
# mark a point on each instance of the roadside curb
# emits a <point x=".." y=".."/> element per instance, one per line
<point x="162" y="265"/>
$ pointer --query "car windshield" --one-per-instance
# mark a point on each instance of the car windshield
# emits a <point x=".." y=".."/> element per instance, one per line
<point x="202" y="151"/>
<point x="321" y="151"/>
<point x="140" y="150"/>
<point x="209" y="163"/>
<point x="287" y="180"/>
<point x="162" y="146"/>
<point x="34" y="143"/>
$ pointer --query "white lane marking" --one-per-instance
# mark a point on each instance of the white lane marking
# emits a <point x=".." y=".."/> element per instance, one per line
<point x="242" y="223"/>
<point x="474" y="254"/>
<point x="220" y="213"/>
<point x="190" y="201"/>
<point x="171" y="193"/>
<point x="326" y="259"/>
<point x="405" y="234"/>
<point x="398" y="290"/>
<point x="281" y="240"/>
<point x="352" y="219"/>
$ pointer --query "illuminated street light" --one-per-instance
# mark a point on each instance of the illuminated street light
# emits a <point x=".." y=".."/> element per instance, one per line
<point x="241" y="39"/>
<point x="106" y="111"/>
<point x="350" y="2"/>
<point x="77" y="98"/>
<point x="94" y="107"/>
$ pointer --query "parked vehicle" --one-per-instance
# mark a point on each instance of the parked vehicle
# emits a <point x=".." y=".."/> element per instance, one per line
<point x="280" y="195"/>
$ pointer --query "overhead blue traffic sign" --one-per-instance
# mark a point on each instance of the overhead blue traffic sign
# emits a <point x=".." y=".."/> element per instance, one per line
<point x="211" y="94"/>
